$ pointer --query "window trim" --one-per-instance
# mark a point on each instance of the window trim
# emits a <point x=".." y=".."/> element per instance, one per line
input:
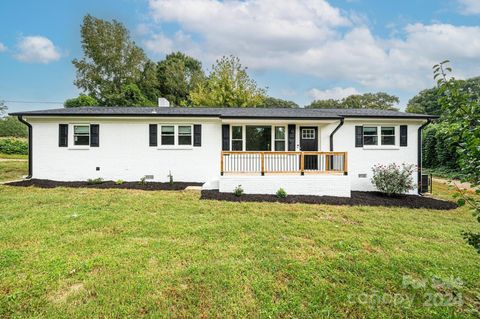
<point x="236" y="139"/>
<point x="379" y="145"/>
<point x="310" y="130"/>
<point x="71" y="137"/>
<point x="175" y="145"/>
<point x="272" y="138"/>
<point x="275" y="139"/>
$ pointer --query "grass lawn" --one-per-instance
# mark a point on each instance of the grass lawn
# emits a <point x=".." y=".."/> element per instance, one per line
<point x="74" y="253"/>
<point x="13" y="170"/>
<point x="13" y="156"/>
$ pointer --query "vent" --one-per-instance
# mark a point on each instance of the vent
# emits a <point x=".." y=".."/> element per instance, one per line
<point x="148" y="176"/>
<point x="362" y="175"/>
<point x="163" y="102"/>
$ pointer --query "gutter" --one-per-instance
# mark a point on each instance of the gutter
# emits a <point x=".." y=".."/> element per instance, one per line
<point x="30" y="146"/>
<point x="419" y="156"/>
<point x="333" y="133"/>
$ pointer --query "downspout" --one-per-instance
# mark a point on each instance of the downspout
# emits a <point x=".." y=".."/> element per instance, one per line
<point x="419" y="156"/>
<point x="334" y="131"/>
<point x="30" y="146"/>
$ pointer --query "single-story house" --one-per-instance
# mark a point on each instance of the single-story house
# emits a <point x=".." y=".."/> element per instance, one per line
<point x="305" y="151"/>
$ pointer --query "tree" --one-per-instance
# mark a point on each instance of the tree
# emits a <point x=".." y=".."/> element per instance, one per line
<point x="3" y="108"/>
<point x="278" y="103"/>
<point x="81" y="100"/>
<point x="426" y="102"/>
<point x="460" y="110"/>
<point x="11" y="126"/>
<point x="130" y="95"/>
<point x="228" y="85"/>
<point x="111" y="60"/>
<point x="177" y="75"/>
<point x="379" y="100"/>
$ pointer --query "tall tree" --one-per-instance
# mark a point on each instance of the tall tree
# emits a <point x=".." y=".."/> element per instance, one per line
<point x="379" y="100"/>
<point x="111" y="60"/>
<point x="81" y="100"/>
<point x="461" y="111"/>
<point x="177" y="75"/>
<point x="3" y="108"/>
<point x="228" y="85"/>
<point x="278" y="103"/>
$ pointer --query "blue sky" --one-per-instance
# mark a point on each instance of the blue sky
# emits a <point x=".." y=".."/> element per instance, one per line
<point x="300" y="50"/>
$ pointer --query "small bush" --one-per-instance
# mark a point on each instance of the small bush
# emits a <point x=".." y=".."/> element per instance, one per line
<point x="393" y="179"/>
<point x="170" y="178"/>
<point x="143" y="180"/>
<point x="238" y="191"/>
<point x="13" y="146"/>
<point x="94" y="181"/>
<point x="281" y="193"/>
<point x="119" y="182"/>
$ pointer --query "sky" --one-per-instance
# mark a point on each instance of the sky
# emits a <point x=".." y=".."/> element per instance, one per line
<point x="299" y="50"/>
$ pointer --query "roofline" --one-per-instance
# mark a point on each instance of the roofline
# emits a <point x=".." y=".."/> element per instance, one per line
<point x="413" y="117"/>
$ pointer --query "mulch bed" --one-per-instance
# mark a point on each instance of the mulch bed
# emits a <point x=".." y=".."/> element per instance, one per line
<point x="358" y="198"/>
<point x="148" y="186"/>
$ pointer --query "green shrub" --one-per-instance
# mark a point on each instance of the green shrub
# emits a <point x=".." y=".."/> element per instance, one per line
<point x="94" y="181"/>
<point x="170" y="178"/>
<point x="281" y="193"/>
<point x="143" y="180"/>
<point x="393" y="179"/>
<point x="13" y="146"/>
<point x="119" y="182"/>
<point x="238" y="191"/>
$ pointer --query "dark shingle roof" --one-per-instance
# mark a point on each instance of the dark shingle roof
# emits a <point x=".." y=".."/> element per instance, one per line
<point x="272" y="113"/>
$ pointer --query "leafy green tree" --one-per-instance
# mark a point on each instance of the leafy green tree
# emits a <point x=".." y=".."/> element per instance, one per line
<point x="3" y="108"/>
<point x="130" y="95"/>
<point x="278" y="103"/>
<point x="148" y="83"/>
<point x="111" y="60"/>
<point x="81" y="100"/>
<point x="177" y="75"/>
<point x="461" y="112"/>
<point x="228" y="85"/>
<point x="11" y="126"/>
<point x="379" y="100"/>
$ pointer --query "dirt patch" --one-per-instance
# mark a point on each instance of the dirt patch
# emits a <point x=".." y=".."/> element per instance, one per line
<point x="148" y="186"/>
<point x="357" y="199"/>
<point x="62" y="295"/>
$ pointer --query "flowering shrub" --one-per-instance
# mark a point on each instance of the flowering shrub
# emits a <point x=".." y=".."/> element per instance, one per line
<point x="393" y="179"/>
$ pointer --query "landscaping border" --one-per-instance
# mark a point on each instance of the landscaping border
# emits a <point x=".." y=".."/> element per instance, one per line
<point x="147" y="186"/>
<point x="357" y="199"/>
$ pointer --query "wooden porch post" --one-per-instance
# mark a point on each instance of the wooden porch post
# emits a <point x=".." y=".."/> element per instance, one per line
<point x="221" y="163"/>
<point x="302" y="163"/>
<point x="345" y="163"/>
<point x="262" y="161"/>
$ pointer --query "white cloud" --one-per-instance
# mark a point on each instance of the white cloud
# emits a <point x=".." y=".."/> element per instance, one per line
<point x="335" y="93"/>
<point x="37" y="49"/>
<point x="314" y="38"/>
<point x="3" y="48"/>
<point x="469" y="7"/>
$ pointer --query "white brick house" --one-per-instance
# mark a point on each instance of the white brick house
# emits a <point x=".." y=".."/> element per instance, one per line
<point x="305" y="151"/>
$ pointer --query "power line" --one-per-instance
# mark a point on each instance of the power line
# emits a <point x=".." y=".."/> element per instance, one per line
<point x="36" y="102"/>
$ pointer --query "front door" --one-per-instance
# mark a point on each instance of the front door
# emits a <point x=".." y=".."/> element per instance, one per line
<point x="309" y="143"/>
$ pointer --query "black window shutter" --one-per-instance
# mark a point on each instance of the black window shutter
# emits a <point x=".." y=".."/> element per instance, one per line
<point x="403" y="135"/>
<point x="197" y="135"/>
<point x="63" y="135"/>
<point x="291" y="137"/>
<point x="94" y="135"/>
<point x="153" y="134"/>
<point x="225" y="137"/>
<point x="358" y="136"/>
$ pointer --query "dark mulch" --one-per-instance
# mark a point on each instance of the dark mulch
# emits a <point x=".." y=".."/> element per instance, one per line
<point x="149" y="186"/>
<point x="357" y="199"/>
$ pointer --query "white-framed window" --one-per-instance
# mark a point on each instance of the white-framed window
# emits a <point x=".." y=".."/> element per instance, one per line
<point x="81" y="135"/>
<point x="280" y="135"/>
<point x="379" y="135"/>
<point x="237" y="138"/>
<point x="308" y="133"/>
<point x="176" y="135"/>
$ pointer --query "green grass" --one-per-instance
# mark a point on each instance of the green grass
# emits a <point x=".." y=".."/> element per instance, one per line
<point x="74" y="253"/>
<point x="13" y="156"/>
<point x="12" y="170"/>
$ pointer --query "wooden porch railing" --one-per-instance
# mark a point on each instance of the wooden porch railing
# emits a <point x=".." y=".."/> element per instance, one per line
<point x="283" y="162"/>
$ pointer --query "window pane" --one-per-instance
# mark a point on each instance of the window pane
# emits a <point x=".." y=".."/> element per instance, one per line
<point x="388" y="140"/>
<point x="236" y="132"/>
<point x="185" y="130"/>
<point x="237" y="145"/>
<point x="168" y="140"/>
<point x="308" y="133"/>
<point x="82" y="140"/>
<point x="168" y="129"/>
<point x="81" y="129"/>
<point x="279" y="146"/>
<point x="388" y="131"/>
<point x="369" y="131"/>
<point x="370" y="140"/>
<point x="185" y="140"/>
<point x="258" y="138"/>
<point x="279" y="133"/>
